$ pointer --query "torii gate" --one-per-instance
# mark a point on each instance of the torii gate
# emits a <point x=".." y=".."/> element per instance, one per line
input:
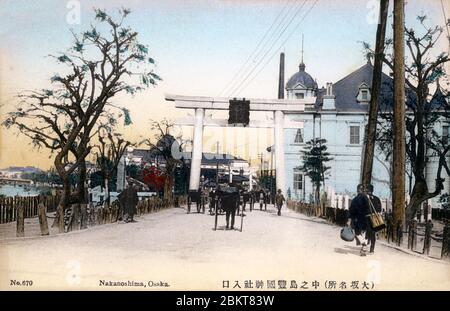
<point x="200" y="104"/>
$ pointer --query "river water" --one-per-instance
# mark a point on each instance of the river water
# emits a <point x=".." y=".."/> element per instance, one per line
<point x="21" y="191"/>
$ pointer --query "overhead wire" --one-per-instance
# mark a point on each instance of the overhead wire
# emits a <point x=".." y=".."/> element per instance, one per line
<point x="299" y="9"/>
<point x="255" y="50"/>
<point x="243" y="87"/>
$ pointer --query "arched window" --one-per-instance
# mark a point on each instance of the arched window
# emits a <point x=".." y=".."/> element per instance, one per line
<point x="299" y="136"/>
<point x="363" y="93"/>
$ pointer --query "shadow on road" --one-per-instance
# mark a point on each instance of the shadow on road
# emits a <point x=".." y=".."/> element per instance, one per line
<point x="224" y="228"/>
<point x="353" y="250"/>
<point x="318" y="221"/>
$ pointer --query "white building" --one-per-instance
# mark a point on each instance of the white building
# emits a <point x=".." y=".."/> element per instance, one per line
<point x="340" y="116"/>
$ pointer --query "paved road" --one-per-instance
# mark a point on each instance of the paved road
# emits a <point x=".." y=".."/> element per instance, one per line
<point x="183" y="251"/>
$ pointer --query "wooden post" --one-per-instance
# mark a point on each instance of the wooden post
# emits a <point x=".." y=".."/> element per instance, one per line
<point x="35" y="205"/>
<point x="2" y="211"/>
<point x="446" y="241"/>
<point x="42" y="214"/>
<point x="427" y="239"/>
<point x="399" y="148"/>
<point x="4" y="207"/>
<point x="60" y="215"/>
<point x="76" y="216"/>
<point x="9" y="203"/>
<point x="83" y="220"/>
<point x="7" y="209"/>
<point x="12" y="211"/>
<point x="99" y="215"/>
<point x="412" y="235"/>
<point x="390" y="229"/>
<point x="20" y="221"/>
<point x="108" y="214"/>
<point x="399" y="233"/>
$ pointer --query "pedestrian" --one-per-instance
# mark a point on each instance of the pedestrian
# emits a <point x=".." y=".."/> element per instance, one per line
<point x="230" y="202"/>
<point x="279" y="200"/>
<point x="246" y="198"/>
<point x="266" y="197"/>
<point x="128" y="199"/>
<point x="212" y="200"/>
<point x="252" y="199"/>
<point x="358" y="220"/>
<point x="261" y="199"/>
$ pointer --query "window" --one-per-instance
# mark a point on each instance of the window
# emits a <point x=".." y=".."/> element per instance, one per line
<point x="354" y="135"/>
<point x="445" y="133"/>
<point x="298" y="180"/>
<point x="299" y="95"/>
<point x="299" y="136"/>
<point x="365" y="95"/>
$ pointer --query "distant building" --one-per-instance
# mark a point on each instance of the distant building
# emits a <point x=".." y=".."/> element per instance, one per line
<point x="17" y="171"/>
<point x="141" y="156"/>
<point x="227" y="163"/>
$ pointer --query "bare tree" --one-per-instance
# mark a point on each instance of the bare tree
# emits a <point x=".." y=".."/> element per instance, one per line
<point x="164" y="145"/>
<point x="423" y="70"/>
<point x="110" y="149"/>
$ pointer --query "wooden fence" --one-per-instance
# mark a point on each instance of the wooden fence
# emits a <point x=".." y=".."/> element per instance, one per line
<point x="9" y="206"/>
<point x="16" y="209"/>
<point x="334" y="215"/>
<point x="100" y="215"/>
<point x="340" y="216"/>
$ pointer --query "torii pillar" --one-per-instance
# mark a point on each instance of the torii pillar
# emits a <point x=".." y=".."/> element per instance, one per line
<point x="197" y="149"/>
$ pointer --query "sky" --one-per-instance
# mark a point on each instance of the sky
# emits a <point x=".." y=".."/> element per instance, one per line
<point x="199" y="47"/>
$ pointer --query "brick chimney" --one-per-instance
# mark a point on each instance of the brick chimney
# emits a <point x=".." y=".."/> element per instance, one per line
<point x="281" y="78"/>
<point x="329" y="98"/>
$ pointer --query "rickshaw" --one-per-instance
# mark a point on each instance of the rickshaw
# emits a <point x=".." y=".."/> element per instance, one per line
<point x="221" y="210"/>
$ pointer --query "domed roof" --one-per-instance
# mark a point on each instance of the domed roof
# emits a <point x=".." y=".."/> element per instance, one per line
<point x="301" y="77"/>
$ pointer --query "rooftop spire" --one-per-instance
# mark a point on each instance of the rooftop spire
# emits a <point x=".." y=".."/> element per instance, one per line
<point x="302" y="64"/>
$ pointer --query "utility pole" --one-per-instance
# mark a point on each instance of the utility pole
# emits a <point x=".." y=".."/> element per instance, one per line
<point x="271" y="177"/>
<point x="217" y="165"/>
<point x="262" y="168"/>
<point x="398" y="193"/>
<point x="216" y="197"/>
<point x="369" y="147"/>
